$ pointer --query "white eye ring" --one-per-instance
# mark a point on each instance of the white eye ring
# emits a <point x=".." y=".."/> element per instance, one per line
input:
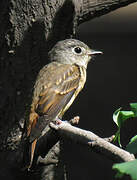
<point x="77" y="50"/>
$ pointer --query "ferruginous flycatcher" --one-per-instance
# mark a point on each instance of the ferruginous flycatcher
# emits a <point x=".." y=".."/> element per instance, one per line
<point x="56" y="87"/>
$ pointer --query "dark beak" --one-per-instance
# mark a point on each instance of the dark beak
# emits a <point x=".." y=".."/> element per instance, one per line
<point x="94" y="52"/>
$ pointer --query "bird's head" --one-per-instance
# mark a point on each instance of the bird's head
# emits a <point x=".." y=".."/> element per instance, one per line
<point x="72" y="51"/>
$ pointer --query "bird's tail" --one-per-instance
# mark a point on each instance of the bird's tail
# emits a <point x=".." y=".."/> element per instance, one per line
<point x="28" y="154"/>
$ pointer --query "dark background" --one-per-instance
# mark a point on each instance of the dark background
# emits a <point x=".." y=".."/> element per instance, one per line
<point x="111" y="83"/>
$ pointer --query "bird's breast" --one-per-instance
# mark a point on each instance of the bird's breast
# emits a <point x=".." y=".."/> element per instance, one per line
<point x="82" y="78"/>
<point x="82" y="81"/>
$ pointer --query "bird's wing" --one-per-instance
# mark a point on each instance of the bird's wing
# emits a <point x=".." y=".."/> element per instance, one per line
<point x="54" y="88"/>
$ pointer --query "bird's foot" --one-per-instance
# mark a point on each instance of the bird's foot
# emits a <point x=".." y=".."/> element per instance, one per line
<point x="73" y="121"/>
<point x="58" y="121"/>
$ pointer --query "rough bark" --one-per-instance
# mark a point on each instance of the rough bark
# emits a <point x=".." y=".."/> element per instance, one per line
<point x="28" y="30"/>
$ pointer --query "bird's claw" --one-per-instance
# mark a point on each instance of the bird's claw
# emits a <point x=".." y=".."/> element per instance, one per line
<point x="58" y="121"/>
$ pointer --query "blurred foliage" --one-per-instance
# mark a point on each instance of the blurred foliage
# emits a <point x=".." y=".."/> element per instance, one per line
<point x="128" y="168"/>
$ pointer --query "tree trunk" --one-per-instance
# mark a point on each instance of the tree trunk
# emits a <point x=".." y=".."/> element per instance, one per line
<point x="28" y="30"/>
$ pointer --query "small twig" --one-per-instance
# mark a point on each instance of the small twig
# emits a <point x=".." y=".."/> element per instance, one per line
<point x="110" y="139"/>
<point x="75" y="120"/>
<point x="93" y="141"/>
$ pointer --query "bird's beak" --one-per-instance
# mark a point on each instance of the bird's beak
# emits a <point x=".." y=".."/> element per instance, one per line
<point x="94" y="52"/>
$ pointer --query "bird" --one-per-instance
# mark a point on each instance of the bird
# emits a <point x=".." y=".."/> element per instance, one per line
<point x="56" y="87"/>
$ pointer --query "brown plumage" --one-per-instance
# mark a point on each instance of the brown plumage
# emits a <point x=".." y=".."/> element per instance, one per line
<point x="56" y="87"/>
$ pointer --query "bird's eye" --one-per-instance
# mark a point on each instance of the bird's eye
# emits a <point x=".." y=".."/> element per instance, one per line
<point x="78" y="50"/>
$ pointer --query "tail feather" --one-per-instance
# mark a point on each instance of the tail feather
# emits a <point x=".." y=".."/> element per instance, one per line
<point x="28" y="154"/>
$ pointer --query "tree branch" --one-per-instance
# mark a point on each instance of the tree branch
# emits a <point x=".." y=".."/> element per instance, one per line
<point x="93" y="141"/>
<point x="89" y="9"/>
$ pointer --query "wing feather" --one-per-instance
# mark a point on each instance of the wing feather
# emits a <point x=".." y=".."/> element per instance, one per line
<point x="54" y="88"/>
<point x="61" y="80"/>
